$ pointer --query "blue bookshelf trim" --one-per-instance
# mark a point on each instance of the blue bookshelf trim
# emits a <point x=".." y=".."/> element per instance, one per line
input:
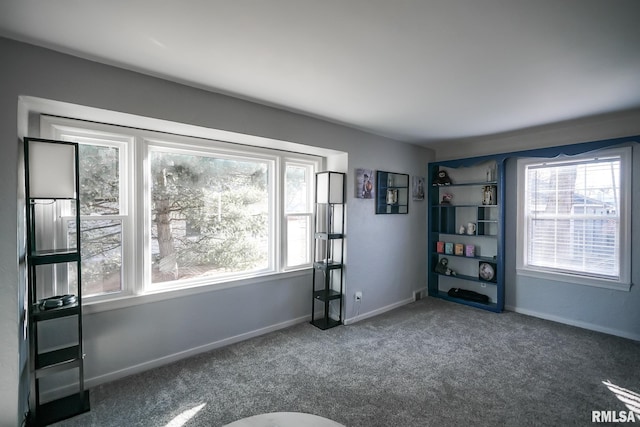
<point x="547" y="152"/>
<point x="442" y="223"/>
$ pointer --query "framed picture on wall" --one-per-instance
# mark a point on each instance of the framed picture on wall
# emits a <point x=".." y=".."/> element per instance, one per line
<point x="417" y="187"/>
<point x="364" y="183"/>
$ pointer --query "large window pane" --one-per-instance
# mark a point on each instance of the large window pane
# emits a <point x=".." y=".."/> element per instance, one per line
<point x="573" y="216"/>
<point x="209" y="216"/>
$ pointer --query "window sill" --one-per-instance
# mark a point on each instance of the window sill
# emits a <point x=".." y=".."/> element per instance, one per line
<point x="122" y="301"/>
<point x="574" y="279"/>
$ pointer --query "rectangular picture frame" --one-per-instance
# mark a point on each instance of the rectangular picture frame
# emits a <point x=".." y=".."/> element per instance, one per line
<point x="365" y="183"/>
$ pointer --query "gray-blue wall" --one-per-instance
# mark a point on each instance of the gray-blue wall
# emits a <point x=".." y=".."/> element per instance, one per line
<point x="126" y="340"/>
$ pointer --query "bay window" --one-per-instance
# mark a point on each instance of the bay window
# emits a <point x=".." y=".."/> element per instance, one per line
<point x="162" y="212"/>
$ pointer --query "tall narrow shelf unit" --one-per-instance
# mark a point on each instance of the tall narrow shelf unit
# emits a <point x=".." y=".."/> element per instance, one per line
<point x="466" y="208"/>
<point x="51" y="178"/>
<point x="328" y="250"/>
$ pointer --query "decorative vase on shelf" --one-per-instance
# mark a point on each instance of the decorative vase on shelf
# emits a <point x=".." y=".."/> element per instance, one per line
<point x="471" y="228"/>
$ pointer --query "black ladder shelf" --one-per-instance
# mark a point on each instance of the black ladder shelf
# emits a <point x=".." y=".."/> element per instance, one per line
<point x="328" y="250"/>
<point x="46" y="268"/>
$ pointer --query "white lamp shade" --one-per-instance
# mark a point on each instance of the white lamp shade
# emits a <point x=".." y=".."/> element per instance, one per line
<point x="52" y="170"/>
<point x="330" y="187"/>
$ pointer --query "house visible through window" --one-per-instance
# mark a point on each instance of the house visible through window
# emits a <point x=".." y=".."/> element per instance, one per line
<point x="162" y="211"/>
<point x="574" y="217"/>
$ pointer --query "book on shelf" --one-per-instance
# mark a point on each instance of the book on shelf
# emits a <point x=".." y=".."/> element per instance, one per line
<point x="458" y="249"/>
<point x="470" y="251"/>
<point x="448" y="248"/>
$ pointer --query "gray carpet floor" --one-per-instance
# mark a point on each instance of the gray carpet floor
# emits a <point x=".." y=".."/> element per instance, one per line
<point x="431" y="362"/>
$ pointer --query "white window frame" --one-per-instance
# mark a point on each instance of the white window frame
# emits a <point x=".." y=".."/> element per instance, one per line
<point x="70" y="130"/>
<point x="136" y="275"/>
<point x="311" y="167"/>
<point x="624" y="281"/>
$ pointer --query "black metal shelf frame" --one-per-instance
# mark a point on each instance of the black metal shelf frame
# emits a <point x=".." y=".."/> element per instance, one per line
<point x="328" y="254"/>
<point x="46" y="363"/>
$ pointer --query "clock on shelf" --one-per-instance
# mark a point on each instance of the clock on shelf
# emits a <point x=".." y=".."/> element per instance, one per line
<point x="487" y="271"/>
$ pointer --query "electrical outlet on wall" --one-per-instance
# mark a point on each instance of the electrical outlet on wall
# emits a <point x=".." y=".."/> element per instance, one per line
<point x="358" y="296"/>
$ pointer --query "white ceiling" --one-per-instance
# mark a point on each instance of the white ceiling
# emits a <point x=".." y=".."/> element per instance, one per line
<point x="414" y="70"/>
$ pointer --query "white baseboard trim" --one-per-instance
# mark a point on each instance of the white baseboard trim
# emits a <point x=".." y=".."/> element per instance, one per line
<point x="161" y="361"/>
<point x="571" y="322"/>
<point x="378" y="311"/>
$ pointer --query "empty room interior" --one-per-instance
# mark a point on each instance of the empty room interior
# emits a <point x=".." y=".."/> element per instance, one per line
<point x="356" y="213"/>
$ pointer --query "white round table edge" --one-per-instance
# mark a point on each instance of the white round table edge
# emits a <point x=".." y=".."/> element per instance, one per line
<point x="285" y="419"/>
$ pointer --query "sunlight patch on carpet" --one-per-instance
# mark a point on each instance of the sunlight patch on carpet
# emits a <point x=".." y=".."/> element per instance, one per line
<point x="185" y="416"/>
<point x="631" y="399"/>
